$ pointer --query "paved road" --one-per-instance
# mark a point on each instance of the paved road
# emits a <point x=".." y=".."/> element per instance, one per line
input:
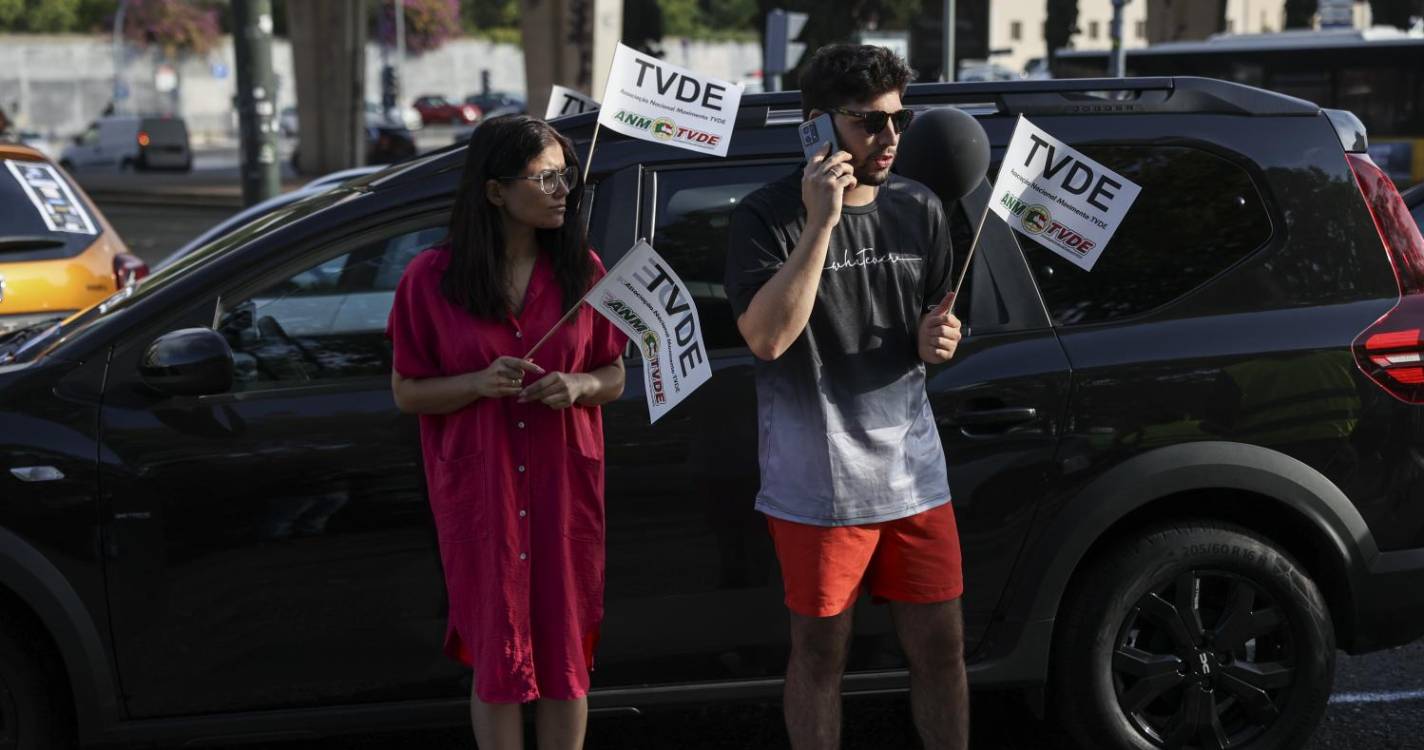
<point x="1378" y="704"/>
<point x="1358" y="719"/>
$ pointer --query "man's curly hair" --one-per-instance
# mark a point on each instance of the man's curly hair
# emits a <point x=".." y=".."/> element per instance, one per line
<point x="839" y="74"/>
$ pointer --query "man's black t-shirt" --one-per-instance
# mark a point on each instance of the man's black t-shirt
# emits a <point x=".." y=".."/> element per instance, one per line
<point x="846" y="432"/>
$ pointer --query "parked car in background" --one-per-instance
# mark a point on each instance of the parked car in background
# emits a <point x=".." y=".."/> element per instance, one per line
<point x="406" y="116"/>
<point x="252" y="213"/>
<point x="387" y="142"/>
<point x="497" y="103"/>
<point x="127" y="142"/>
<point x="440" y="110"/>
<point x="58" y="254"/>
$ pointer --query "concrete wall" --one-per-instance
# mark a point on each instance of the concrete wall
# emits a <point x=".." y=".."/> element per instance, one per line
<point x="57" y="85"/>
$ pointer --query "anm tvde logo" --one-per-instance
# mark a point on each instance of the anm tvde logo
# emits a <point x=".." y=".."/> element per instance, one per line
<point x="664" y="128"/>
<point x="1036" y="219"/>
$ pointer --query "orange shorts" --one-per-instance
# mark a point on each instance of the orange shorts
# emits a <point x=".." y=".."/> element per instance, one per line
<point x="913" y="559"/>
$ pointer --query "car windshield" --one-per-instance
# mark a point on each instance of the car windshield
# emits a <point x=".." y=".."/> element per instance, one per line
<point x="34" y="342"/>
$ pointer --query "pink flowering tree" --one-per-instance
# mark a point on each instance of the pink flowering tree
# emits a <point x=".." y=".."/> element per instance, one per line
<point x="174" y="25"/>
<point x="428" y="24"/>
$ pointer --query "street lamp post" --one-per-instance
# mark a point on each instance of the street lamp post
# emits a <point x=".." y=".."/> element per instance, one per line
<point x="400" y="58"/>
<point x="256" y="98"/>
<point x="949" y="29"/>
<point x="1119" y="55"/>
<point x="119" y="52"/>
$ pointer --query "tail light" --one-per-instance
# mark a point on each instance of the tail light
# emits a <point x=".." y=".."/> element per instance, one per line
<point x="143" y="139"/>
<point x="128" y="269"/>
<point x="1391" y="351"/>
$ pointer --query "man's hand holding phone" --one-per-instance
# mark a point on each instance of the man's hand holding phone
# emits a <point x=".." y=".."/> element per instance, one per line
<point x="828" y="173"/>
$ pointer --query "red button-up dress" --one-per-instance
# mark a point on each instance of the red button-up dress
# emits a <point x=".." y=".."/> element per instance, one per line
<point x="516" y="489"/>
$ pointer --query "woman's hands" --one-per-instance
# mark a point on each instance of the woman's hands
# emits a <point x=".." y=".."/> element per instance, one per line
<point x="559" y="390"/>
<point x="504" y="377"/>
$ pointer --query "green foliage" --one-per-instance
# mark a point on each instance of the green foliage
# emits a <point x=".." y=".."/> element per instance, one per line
<point x="10" y="12"/>
<point x="481" y="17"/>
<point x="1060" y="25"/>
<point x="1300" y="14"/>
<point x="1395" y="12"/>
<point x="39" y="16"/>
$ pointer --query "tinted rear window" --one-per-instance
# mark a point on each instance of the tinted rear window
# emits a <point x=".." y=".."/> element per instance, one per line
<point x="165" y="131"/>
<point x="41" y="215"/>
<point x="1197" y="215"/>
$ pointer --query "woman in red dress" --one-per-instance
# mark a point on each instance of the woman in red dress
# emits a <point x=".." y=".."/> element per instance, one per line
<point x="513" y="448"/>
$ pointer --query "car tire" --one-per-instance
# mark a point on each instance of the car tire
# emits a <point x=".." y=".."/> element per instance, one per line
<point x="1196" y="635"/>
<point x="32" y="707"/>
<point x="126" y="165"/>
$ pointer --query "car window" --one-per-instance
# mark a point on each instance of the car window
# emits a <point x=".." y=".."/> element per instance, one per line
<point x="41" y="215"/>
<point x="324" y="323"/>
<point x="1197" y="214"/>
<point x="693" y="208"/>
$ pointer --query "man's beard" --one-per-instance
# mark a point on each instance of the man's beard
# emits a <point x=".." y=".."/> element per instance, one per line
<point x="864" y="174"/>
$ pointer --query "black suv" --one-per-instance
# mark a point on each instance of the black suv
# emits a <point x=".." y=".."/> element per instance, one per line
<point x="1182" y="480"/>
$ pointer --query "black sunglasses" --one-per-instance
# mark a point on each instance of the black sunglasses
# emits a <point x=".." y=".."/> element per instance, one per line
<point x="875" y="121"/>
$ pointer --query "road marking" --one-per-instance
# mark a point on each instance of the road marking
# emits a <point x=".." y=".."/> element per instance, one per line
<point x="1392" y="696"/>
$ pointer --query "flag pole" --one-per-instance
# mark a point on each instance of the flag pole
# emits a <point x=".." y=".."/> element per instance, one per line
<point x="556" y="326"/>
<point x="582" y="301"/>
<point x="588" y="160"/>
<point x="947" y="305"/>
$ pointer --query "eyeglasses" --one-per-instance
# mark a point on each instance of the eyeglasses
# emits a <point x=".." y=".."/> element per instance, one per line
<point x="550" y="179"/>
<point x="875" y="121"/>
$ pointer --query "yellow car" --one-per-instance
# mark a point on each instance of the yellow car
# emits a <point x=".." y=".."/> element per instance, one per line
<point x="58" y="254"/>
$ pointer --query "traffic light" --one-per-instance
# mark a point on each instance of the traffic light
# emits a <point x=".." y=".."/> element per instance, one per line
<point x="782" y="51"/>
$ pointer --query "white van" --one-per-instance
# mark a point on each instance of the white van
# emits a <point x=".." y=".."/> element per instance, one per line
<point x="130" y="142"/>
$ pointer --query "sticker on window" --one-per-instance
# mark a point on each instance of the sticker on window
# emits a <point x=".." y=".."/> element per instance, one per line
<point x="51" y="196"/>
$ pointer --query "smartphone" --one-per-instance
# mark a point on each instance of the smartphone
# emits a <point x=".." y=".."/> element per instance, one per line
<point x="816" y="133"/>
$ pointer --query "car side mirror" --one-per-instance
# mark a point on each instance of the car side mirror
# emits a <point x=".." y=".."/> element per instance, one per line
<point x="188" y="362"/>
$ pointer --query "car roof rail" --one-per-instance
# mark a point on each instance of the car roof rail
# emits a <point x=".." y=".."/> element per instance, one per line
<point x="1152" y="95"/>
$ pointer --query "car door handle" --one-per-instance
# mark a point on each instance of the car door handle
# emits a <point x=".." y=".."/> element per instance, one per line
<point x="995" y="417"/>
<point x="37" y="473"/>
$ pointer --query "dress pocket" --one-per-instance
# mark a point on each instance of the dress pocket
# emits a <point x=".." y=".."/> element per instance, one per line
<point x="582" y="503"/>
<point x="459" y="499"/>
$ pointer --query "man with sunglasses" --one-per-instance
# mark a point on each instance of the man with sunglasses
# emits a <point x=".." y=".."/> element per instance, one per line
<point x="835" y="273"/>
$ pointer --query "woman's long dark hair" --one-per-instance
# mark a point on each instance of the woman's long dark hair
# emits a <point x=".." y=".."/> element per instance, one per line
<point x="475" y="278"/>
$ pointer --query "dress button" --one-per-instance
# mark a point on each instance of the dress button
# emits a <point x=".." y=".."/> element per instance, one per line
<point x="519" y="334"/>
<point x="521" y="468"/>
<point x="523" y="513"/>
<point x="523" y="556"/>
<point x="521" y="425"/>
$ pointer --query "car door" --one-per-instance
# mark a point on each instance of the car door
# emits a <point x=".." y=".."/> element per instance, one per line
<point x="693" y="589"/>
<point x="271" y="547"/>
<point x="85" y="152"/>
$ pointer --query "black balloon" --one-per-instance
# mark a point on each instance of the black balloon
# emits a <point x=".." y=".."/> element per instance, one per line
<point x="946" y="149"/>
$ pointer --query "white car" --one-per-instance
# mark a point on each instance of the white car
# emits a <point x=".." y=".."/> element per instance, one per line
<point x="130" y="142"/>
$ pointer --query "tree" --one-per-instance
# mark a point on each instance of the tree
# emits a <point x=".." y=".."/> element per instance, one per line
<point x="1300" y="14"/>
<point x="643" y="27"/>
<point x="428" y="24"/>
<point x="1060" y="25"/>
<point x="829" y="23"/>
<point x="39" y="16"/>
<point x="1397" y="13"/>
<point x="173" y="25"/>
